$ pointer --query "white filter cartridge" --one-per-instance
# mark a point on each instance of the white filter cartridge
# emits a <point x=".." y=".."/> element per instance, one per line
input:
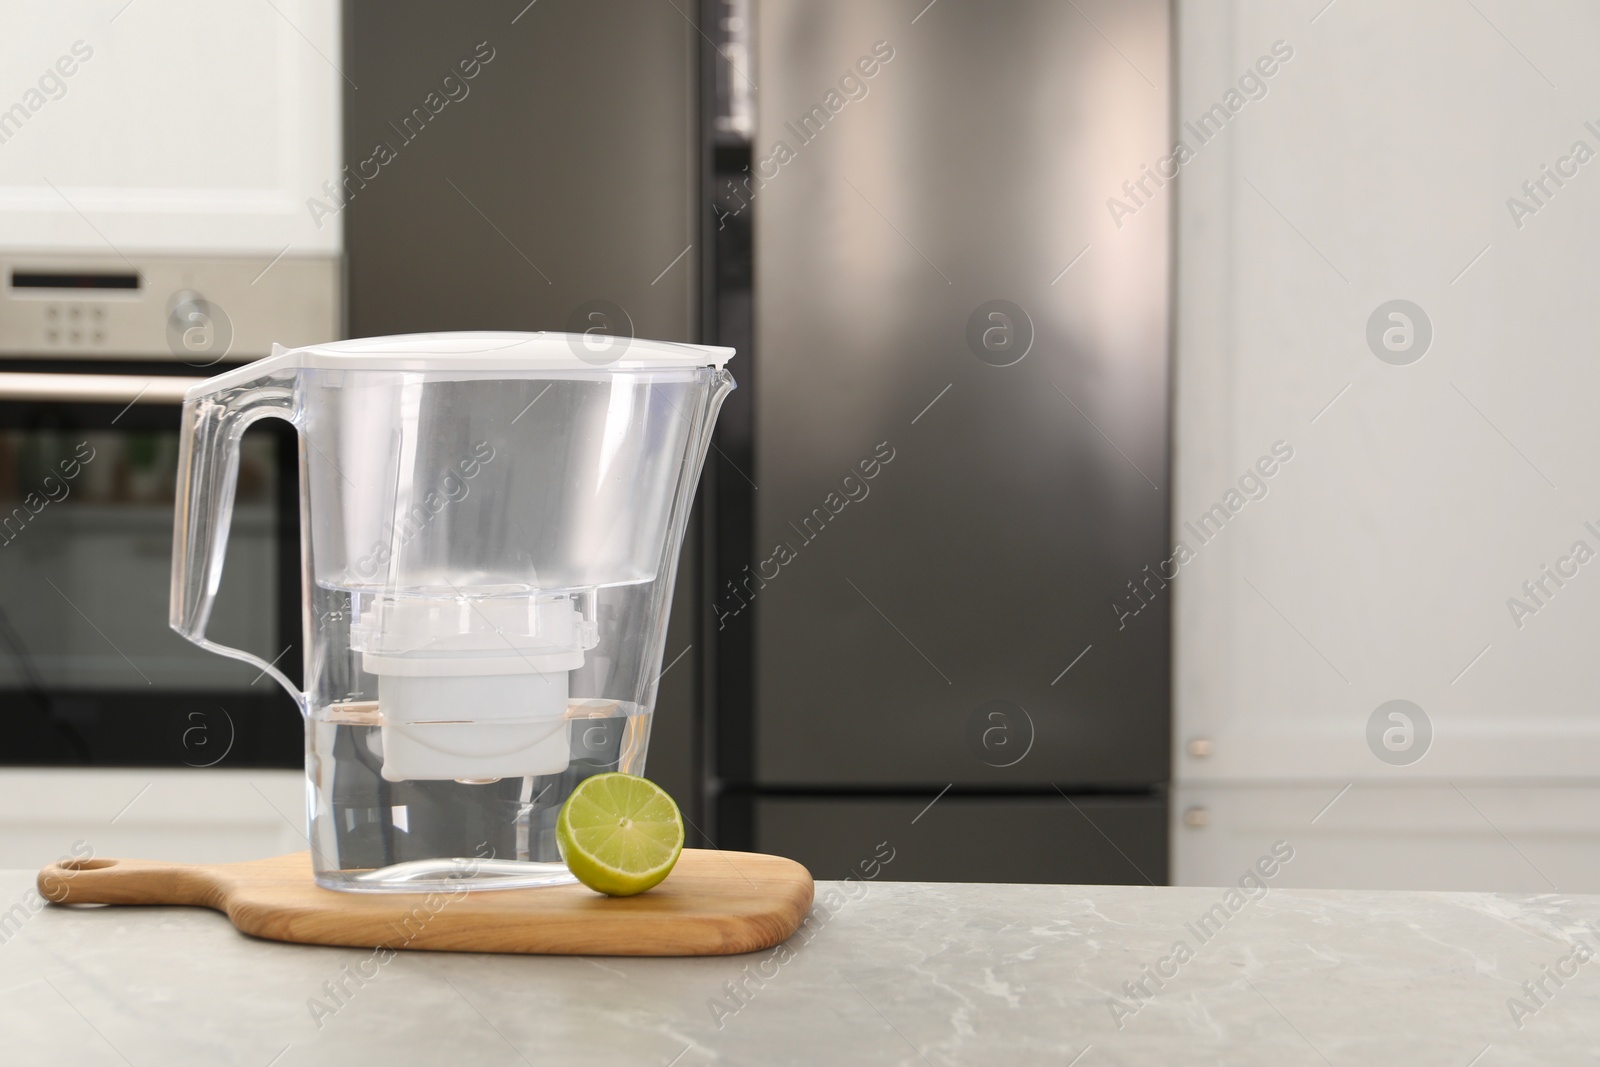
<point x="473" y="689"/>
<point x="510" y="725"/>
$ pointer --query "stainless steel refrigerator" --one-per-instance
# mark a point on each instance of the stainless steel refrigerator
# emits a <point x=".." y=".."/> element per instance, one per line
<point x="945" y="624"/>
<point x="937" y="631"/>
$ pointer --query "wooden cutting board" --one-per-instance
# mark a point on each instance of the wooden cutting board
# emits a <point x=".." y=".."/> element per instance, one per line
<point x="712" y="904"/>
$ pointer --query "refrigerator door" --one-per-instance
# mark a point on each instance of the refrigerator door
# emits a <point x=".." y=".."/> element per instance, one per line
<point x="961" y="395"/>
<point x="1088" y="841"/>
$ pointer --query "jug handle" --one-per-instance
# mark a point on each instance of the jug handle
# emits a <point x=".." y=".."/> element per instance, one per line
<point x="208" y="470"/>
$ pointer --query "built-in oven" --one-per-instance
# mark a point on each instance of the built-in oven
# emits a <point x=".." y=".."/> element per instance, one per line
<point x="95" y="357"/>
<point x="172" y="195"/>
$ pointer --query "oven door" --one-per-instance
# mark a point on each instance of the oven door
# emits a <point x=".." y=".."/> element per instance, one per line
<point x="90" y="673"/>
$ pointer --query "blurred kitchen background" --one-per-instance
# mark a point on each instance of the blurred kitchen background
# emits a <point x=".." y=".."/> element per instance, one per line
<point x="1163" y="429"/>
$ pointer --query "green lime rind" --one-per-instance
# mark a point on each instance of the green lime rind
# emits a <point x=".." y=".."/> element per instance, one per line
<point x="619" y="834"/>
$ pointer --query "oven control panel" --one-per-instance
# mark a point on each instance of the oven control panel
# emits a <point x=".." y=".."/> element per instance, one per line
<point x="75" y="326"/>
<point x="193" y="310"/>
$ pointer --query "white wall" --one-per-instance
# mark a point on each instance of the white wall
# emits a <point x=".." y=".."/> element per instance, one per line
<point x="1379" y="564"/>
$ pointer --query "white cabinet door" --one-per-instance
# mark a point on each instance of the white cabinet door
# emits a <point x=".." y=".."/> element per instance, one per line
<point x="1443" y="449"/>
<point x="165" y="126"/>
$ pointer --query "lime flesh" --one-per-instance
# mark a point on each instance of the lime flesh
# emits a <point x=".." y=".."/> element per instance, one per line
<point x="619" y="834"/>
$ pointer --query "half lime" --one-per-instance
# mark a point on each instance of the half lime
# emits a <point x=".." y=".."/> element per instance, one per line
<point x="619" y="834"/>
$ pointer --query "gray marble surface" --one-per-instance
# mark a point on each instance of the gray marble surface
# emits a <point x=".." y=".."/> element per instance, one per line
<point x="895" y="973"/>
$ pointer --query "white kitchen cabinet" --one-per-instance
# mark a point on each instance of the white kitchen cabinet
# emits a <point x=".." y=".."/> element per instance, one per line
<point x="168" y="127"/>
<point x="1522" y="837"/>
<point x="191" y="816"/>
<point x="1425" y="489"/>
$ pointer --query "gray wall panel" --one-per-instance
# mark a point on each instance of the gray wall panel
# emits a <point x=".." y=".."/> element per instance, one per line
<point x="576" y="145"/>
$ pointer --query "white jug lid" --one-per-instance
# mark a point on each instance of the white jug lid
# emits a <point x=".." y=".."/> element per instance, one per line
<point x="484" y="352"/>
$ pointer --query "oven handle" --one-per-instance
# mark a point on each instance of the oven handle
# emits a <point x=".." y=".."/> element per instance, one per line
<point x="96" y="388"/>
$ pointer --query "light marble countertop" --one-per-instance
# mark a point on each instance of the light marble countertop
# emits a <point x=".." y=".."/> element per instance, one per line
<point x="895" y="973"/>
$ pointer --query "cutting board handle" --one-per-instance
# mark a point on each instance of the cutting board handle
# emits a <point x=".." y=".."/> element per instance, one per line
<point x="109" y="881"/>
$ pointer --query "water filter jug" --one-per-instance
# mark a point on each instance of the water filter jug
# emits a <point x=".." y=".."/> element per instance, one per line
<point x="490" y="524"/>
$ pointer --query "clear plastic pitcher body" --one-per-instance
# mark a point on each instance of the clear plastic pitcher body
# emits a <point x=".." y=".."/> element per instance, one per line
<point x="490" y="525"/>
